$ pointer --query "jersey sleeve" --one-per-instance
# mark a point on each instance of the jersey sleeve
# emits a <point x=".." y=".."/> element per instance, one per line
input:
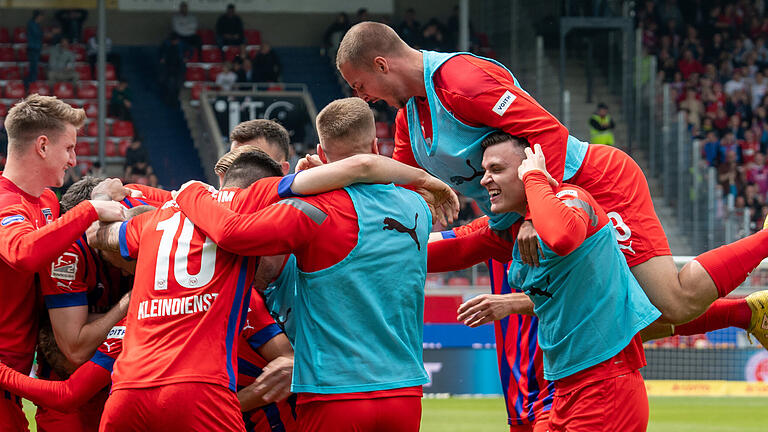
<point x="482" y="93"/>
<point x="66" y="284"/>
<point x="403" y="151"/>
<point x="465" y="230"/>
<point x="25" y="248"/>
<point x="563" y="220"/>
<point x="260" y="194"/>
<point x="259" y="325"/>
<point x="451" y="254"/>
<point x="152" y="196"/>
<point x="111" y="348"/>
<point x="130" y="235"/>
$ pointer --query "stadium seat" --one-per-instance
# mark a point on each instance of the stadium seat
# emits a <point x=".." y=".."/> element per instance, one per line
<point x="83" y="148"/>
<point x="7" y="53"/>
<point x="191" y="56"/>
<point x="64" y="90"/>
<point x="14" y="90"/>
<point x="21" y="53"/>
<point x="87" y="90"/>
<point x="195" y="73"/>
<point x="110" y="147"/>
<point x="230" y="52"/>
<point x="88" y="33"/>
<point x="80" y="52"/>
<point x="458" y="281"/>
<point x="109" y="72"/>
<point x="207" y="36"/>
<point x="434" y="280"/>
<point x="197" y="89"/>
<point x="92" y="129"/>
<point x="45" y="56"/>
<point x="383" y="130"/>
<point x="109" y="87"/>
<point x="40" y="87"/>
<point x="211" y="55"/>
<point x="3" y="110"/>
<point x="483" y="280"/>
<point x="122" y="146"/>
<point x="20" y="35"/>
<point x="213" y="72"/>
<point x="91" y="109"/>
<point x="10" y="73"/>
<point x="83" y="71"/>
<point x="122" y="129"/>
<point x="253" y="37"/>
<point x="4" y="36"/>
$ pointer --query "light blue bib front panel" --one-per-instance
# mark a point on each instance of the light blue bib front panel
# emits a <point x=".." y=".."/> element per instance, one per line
<point x="361" y="322"/>
<point x="588" y="302"/>
<point x="280" y="298"/>
<point x="454" y="154"/>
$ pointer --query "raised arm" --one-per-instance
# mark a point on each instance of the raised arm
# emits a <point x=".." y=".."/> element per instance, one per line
<point x="457" y="253"/>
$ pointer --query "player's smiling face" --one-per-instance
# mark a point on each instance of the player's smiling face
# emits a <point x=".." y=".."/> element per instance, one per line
<point x="507" y="192"/>
<point x="60" y="154"/>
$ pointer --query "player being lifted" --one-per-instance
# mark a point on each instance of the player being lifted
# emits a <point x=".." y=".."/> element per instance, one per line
<point x="42" y="132"/>
<point x="361" y="256"/>
<point x="450" y="101"/>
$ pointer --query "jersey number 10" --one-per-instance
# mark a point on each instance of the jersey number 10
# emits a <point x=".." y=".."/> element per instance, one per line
<point x="169" y="227"/>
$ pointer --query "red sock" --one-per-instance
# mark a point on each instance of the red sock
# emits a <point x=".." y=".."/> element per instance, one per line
<point x="729" y="265"/>
<point x="721" y="314"/>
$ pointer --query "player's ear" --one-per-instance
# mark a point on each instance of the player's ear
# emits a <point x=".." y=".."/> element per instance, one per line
<point x="285" y="166"/>
<point x="321" y="154"/>
<point x="375" y="146"/>
<point x="380" y="64"/>
<point x="41" y="145"/>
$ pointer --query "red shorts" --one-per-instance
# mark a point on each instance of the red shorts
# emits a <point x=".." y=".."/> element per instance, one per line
<point x="12" y="418"/>
<point x="618" y="184"/>
<point x="540" y="425"/>
<point x="400" y="413"/>
<point x="613" y="404"/>
<point x="85" y="419"/>
<point x="173" y="407"/>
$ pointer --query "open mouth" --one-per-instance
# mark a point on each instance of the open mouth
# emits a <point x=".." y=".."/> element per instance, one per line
<point x="494" y="194"/>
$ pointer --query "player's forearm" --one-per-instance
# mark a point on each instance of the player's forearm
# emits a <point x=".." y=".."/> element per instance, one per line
<point x="560" y="227"/>
<point x="79" y="346"/>
<point x="463" y="252"/>
<point x="59" y="395"/>
<point x="153" y="194"/>
<point x="106" y="237"/>
<point x="32" y="250"/>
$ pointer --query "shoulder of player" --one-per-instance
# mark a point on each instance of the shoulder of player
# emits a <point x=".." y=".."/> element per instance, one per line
<point x="468" y="76"/>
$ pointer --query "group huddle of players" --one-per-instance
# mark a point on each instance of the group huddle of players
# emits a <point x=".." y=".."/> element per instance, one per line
<point x="280" y="302"/>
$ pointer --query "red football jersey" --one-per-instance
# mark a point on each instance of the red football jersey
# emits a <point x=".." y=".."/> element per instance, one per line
<point x="188" y="303"/>
<point x="259" y="329"/>
<point x="29" y="241"/>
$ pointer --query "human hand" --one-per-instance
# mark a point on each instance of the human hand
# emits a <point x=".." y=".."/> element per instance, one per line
<point x="109" y="211"/>
<point x="307" y="162"/>
<point x="274" y="383"/>
<point x="110" y="189"/>
<point x="491" y="307"/>
<point x="176" y="193"/>
<point x="528" y="244"/>
<point x="441" y="199"/>
<point x="534" y="161"/>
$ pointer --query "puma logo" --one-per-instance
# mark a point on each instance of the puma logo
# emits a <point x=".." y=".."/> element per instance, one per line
<point x="391" y="224"/>
<point x="109" y="345"/>
<point x="457" y="180"/>
<point x="541" y="292"/>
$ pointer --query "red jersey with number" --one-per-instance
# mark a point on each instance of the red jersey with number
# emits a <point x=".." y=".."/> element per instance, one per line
<point x="188" y="304"/>
<point x="31" y="238"/>
<point x="259" y="329"/>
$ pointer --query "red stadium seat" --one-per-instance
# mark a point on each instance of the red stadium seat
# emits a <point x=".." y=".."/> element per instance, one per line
<point x="83" y="71"/>
<point x="80" y="52"/>
<point x="197" y="90"/>
<point x="14" y="90"/>
<point x="10" y="73"/>
<point x="110" y="147"/>
<point x="195" y="73"/>
<point x="122" y="129"/>
<point x="7" y="54"/>
<point x="230" y="52"/>
<point x="3" y="110"/>
<point x="458" y="281"/>
<point x="92" y="129"/>
<point x="383" y="130"/>
<point x="83" y="148"/>
<point x="214" y="71"/>
<point x="483" y="280"/>
<point x="109" y="72"/>
<point x="40" y="87"/>
<point x="87" y="90"/>
<point x="21" y="53"/>
<point x="64" y="90"/>
<point x="88" y="33"/>
<point x="4" y="36"/>
<point x="109" y="87"/>
<point x="253" y="37"/>
<point x="20" y="35"/>
<point x="207" y="36"/>
<point x="122" y="146"/>
<point x="211" y="55"/>
<point x="45" y="56"/>
<point x="91" y="110"/>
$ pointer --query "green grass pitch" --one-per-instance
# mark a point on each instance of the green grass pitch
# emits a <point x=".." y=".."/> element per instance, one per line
<point x="668" y="414"/>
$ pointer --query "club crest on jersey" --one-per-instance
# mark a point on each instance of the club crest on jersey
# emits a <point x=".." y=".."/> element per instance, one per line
<point x="48" y="214"/>
<point x="504" y="102"/>
<point x="65" y="267"/>
<point x="11" y="219"/>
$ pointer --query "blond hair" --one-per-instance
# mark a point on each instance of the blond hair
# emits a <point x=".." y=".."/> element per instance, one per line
<point x="38" y="115"/>
<point x="367" y="40"/>
<point x="224" y="162"/>
<point x="346" y="126"/>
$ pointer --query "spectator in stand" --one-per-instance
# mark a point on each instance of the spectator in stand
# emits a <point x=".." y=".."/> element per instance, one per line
<point x="601" y="126"/>
<point x="185" y="26"/>
<point x="120" y="102"/>
<point x="736" y="83"/>
<point x="432" y="38"/>
<point x="729" y="174"/>
<point x="71" y="21"/>
<point x="134" y="154"/>
<point x="93" y="54"/>
<point x="688" y="64"/>
<point x="61" y="64"/>
<point x="721" y="120"/>
<point x="34" y="44"/>
<point x="229" y="28"/>
<point x="227" y="77"/>
<point x="245" y="74"/>
<point x="171" y="69"/>
<point x="361" y="15"/>
<point x="409" y="28"/>
<point x="753" y="201"/>
<point x="333" y="35"/>
<point x="750" y="147"/>
<point x="266" y="64"/>
<point x="734" y="127"/>
<point x="694" y="106"/>
<point x="757" y="173"/>
<point x="141" y="173"/>
<point x="711" y="150"/>
<point x="728" y="144"/>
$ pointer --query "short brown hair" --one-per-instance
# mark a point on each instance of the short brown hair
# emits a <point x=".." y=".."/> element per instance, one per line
<point x="367" y="40"/>
<point x="224" y="162"/>
<point x="346" y="125"/>
<point x="250" y="166"/>
<point x="36" y="115"/>
<point x="499" y="137"/>
<point x="271" y="131"/>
